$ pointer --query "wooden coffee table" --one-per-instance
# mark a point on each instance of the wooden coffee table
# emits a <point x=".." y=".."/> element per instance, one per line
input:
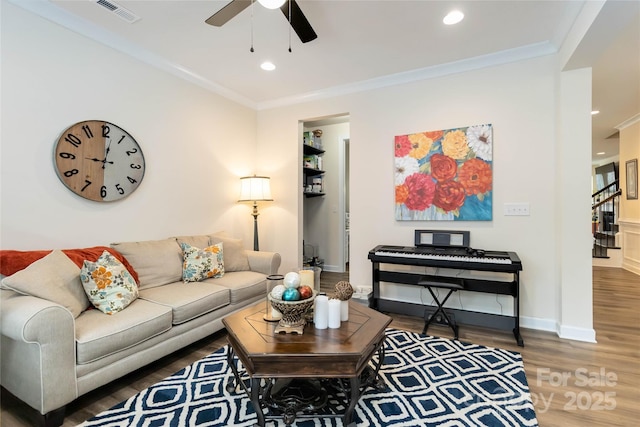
<point x="289" y="376"/>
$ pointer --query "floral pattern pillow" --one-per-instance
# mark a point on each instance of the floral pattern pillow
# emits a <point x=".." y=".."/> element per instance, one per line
<point x="108" y="284"/>
<point x="200" y="264"/>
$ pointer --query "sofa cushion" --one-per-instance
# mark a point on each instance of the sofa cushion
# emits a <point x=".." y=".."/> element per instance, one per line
<point x="200" y="264"/>
<point x="235" y="256"/>
<point x="157" y="262"/>
<point x="188" y="301"/>
<point x="108" y="284"/>
<point x="199" y="241"/>
<point x="54" y="278"/>
<point x="243" y="285"/>
<point x="12" y="261"/>
<point x="97" y="337"/>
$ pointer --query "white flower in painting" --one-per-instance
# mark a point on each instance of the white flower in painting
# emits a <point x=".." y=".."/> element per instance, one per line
<point x="480" y="140"/>
<point x="405" y="166"/>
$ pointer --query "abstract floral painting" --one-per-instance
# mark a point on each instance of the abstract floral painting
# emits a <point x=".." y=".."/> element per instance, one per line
<point x="445" y="175"/>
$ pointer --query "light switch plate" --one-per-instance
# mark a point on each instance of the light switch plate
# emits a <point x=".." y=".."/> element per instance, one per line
<point x="516" y="209"/>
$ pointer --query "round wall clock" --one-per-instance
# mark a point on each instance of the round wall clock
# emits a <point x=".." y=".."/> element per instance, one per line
<point x="99" y="161"/>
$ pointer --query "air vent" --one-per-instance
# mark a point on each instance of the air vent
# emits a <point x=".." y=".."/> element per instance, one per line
<point x="123" y="13"/>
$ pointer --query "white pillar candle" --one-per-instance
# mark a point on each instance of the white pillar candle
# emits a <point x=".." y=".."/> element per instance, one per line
<point x="344" y="310"/>
<point x="334" y="313"/>
<point x="321" y="312"/>
<point x="306" y="278"/>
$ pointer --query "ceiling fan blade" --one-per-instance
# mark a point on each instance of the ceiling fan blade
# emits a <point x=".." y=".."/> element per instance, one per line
<point x="222" y="16"/>
<point x="299" y="22"/>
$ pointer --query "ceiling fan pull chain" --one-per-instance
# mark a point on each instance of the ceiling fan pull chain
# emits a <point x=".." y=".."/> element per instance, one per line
<point x="251" y="50"/>
<point x="290" y="26"/>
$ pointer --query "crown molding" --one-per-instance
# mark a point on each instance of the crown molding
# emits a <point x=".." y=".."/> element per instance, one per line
<point x="469" y="64"/>
<point x="630" y="121"/>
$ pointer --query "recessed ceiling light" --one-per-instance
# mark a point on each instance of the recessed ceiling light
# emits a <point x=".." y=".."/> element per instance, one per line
<point x="594" y="112"/>
<point x="600" y="153"/>
<point x="267" y="66"/>
<point x="453" y="17"/>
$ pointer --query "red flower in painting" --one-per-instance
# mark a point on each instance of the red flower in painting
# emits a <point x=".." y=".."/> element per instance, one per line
<point x="475" y="176"/>
<point x="443" y="168"/>
<point x="421" y="190"/>
<point x="403" y="145"/>
<point x="434" y="135"/>
<point x="449" y="196"/>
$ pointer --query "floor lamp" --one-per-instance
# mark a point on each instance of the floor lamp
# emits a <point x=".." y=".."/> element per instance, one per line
<point x="255" y="189"/>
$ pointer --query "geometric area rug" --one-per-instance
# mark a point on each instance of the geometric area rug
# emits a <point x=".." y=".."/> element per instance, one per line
<point x="429" y="381"/>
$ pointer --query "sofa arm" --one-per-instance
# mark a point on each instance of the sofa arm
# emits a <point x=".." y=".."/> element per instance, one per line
<point x="38" y="352"/>
<point x="264" y="262"/>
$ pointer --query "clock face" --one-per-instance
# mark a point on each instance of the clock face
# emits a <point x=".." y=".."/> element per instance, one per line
<point x="99" y="161"/>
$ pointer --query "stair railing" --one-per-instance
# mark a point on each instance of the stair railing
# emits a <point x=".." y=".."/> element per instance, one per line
<point x="604" y="205"/>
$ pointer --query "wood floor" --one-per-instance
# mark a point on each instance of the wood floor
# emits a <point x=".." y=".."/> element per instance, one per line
<point x="572" y="383"/>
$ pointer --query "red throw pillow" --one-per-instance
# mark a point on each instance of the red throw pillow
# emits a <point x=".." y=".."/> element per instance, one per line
<point x="13" y="261"/>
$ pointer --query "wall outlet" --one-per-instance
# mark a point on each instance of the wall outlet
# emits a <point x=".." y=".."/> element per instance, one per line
<point x="517" y="209"/>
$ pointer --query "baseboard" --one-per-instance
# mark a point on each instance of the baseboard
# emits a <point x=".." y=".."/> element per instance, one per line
<point x="538" y="324"/>
<point x="632" y="267"/>
<point x="564" y="332"/>
<point x="614" y="259"/>
<point x="333" y="268"/>
<point x="576" y="334"/>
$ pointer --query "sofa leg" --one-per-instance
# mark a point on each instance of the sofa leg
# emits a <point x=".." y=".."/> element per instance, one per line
<point x="53" y="418"/>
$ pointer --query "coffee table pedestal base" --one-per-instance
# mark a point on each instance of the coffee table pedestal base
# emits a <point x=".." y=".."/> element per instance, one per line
<point x="304" y="398"/>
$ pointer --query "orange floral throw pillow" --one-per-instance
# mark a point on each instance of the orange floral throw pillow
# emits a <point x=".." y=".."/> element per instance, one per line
<point x="108" y="284"/>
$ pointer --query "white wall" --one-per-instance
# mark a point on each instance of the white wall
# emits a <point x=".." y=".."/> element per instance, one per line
<point x="196" y="143"/>
<point x="629" y="208"/>
<point x="573" y="207"/>
<point x="518" y="99"/>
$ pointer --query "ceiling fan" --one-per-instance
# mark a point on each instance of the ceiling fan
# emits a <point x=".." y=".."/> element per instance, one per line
<point x="299" y="22"/>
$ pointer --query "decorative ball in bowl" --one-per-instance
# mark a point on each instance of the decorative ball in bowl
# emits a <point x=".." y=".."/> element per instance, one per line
<point x="293" y="311"/>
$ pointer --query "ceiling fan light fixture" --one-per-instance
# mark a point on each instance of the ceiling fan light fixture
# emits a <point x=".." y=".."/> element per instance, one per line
<point x="453" y="17"/>
<point x="272" y="4"/>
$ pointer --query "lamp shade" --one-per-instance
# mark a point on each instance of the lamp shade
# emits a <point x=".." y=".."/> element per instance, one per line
<point x="255" y="188"/>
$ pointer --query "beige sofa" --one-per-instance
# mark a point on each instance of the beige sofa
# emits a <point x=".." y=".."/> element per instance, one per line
<point x="49" y="357"/>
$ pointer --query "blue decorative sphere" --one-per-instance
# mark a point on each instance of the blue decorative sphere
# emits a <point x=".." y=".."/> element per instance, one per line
<point x="291" y="294"/>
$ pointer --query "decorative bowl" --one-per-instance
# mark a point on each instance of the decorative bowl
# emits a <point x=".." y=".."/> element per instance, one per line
<point x="293" y="313"/>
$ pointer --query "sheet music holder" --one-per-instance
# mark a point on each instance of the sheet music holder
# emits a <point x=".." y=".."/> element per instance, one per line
<point x="442" y="238"/>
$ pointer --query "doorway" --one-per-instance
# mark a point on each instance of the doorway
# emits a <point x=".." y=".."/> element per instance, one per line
<point x="325" y="205"/>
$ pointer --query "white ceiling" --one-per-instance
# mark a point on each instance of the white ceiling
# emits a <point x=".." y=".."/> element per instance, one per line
<point x="363" y="44"/>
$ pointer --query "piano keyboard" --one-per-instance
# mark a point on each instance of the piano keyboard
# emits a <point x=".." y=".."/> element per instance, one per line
<point x="445" y="257"/>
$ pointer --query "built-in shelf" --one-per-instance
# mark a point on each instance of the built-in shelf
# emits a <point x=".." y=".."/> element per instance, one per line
<point x="312" y="172"/>
<point x="313" y="182"/>
<point x="310" y="149"/>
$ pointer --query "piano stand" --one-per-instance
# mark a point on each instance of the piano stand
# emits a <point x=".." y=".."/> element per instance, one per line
<point x="508" y="264"/>
<point x="452" y="287"/>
